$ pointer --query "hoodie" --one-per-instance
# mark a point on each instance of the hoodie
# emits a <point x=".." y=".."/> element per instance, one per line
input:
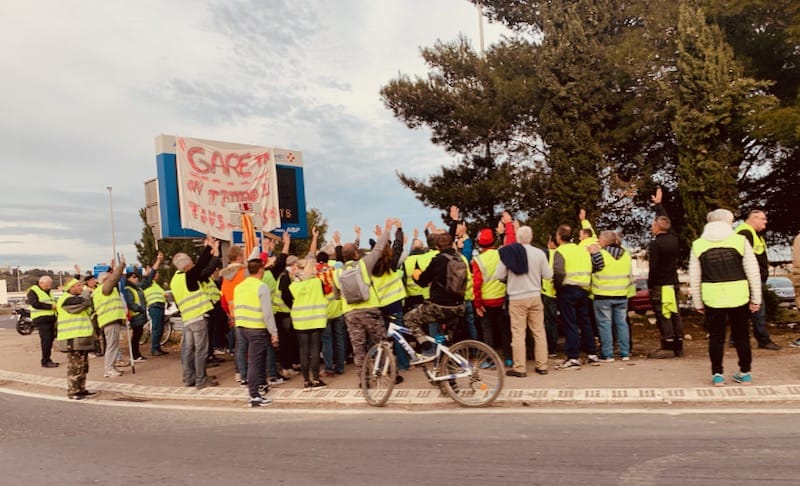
<point x="232" y="275"/>
<point x="718" y="231"/>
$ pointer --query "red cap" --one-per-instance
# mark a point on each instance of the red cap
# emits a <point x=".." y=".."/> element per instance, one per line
<point x="485" y="237"/>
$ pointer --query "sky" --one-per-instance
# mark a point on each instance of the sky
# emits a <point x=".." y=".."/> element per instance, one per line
<point x="88" y="85"/>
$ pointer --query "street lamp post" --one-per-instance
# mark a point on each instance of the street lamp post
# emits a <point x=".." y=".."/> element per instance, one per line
<point x="113" y="230"/>
<point x="19" y="281"/>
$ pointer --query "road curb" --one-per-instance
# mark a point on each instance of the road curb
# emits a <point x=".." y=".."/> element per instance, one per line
<point x="431" y="396"/>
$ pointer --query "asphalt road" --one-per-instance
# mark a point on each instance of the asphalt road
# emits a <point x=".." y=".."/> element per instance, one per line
<point x="56" y="442"/>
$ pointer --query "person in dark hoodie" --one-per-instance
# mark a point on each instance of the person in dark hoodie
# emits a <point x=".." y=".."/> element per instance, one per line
<point x="523" y="267"/>
<point x="610" y="286"/>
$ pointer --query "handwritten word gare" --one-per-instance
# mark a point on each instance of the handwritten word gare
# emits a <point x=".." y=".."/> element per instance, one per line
<point x="228" y="163"/>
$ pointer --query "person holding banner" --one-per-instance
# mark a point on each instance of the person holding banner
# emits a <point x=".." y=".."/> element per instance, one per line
<point x="194" y="304"/>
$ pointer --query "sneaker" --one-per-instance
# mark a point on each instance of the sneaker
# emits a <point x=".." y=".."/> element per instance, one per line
<point x="159" y="352"/>
<point x="318" y="384"/>
<point x="237" y="376"/>
<point x="509" y="362"/>
<point x="260" y="401"/>
<point x="517" y="374"/>
<point x="625" y="358"/>
<point x="770" y="345"/>
<point x="263" y="389"/>
<point x="111" y="374"/>
<point x="606" y="360"/>
<point x="140" y="359"/>
<point x="795" y="343"/>
<point x="121" y="363"/>
<point x="742" y="378"/>
<point x="718" y="380"/>
<point x="307" y="386"/>
<point x="243" y="383"/>
<point x="569" y="364"/>
<point x="488" y="365"/>
<point x="277" y="380"/>
<point x="592" y="359"/>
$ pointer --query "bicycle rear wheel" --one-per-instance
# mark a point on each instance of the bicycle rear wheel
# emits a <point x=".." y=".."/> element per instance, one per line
<point x="485" y="382"/>
<point x="166" y="333"/>
<point x="378" y="374"/>
<point x="146" y="331"/>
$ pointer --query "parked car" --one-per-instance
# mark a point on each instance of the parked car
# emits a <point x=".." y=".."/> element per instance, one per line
<point x="782" y="288"/>
<point x="640" y="302"/>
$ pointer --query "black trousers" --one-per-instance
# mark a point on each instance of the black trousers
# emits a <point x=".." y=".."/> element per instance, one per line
<point x="310" y="343"/>
<point x="717" y="321"/>
<point x="47" y="334"/>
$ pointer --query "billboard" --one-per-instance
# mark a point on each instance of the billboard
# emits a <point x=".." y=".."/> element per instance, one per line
<point x="199" y="179"/>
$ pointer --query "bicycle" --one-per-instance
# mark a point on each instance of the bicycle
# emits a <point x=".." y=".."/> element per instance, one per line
<point x="171" y="324"/>
<point x="470" y="372"/>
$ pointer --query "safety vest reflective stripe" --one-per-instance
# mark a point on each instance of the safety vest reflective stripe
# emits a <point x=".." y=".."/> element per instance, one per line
<point x="72" y="326"/>
<point x="278" y="305"/>
<point x="469" y="293"/>
<point x="577" y="265"/>
<point x="44" y="298"/>
<point x="192" y="304"/>
<point x="614" y="280"/>
<point x="154" y="294"/>
<point x="389" y="287"/>
<point x="492" y="288"/>
<point x="723" y="295"/>
<point x="109" y="308"/>
<point x="247" y="310"/>
<point x="759" y="244"/>
<point x="310" y="307"/>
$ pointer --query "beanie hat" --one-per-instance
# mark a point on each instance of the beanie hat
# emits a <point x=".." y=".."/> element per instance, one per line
<point x="71" y="283"/>
<point x="485" y="237"/>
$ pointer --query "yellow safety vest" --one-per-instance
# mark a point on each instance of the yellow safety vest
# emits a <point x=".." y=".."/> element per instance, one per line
<point x="723" y="295"/>
<point x="154" y="294"/>
<point x="72" y="326"/>
<point x="372" y="303"/>
<point x="246" y="304"/>
<point x="577" y="265"/>
<point x="615" y="279"/>
<point x="759" y="244"/>
<point x="492" y="288"/>
<point x="469" y="292"/>
<point x="334" y="304"/>
<point x="269" y="279"/>
<point x="310" y="307"/>
<point x="585" y="224"/>
<point x="211" y="289"/>
<point x="278" y="305"/>
<point x="192" y="304"/>
<point x="44" y="298"/>
<point x="409" y="265"/>
<point x="548" y="287"/>
<point x="389" y="287"/>
<point x="135" y="294"/>
<point x="109" y="308"/>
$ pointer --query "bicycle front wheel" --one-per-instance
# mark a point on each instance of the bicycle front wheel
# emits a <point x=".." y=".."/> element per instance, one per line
<point x="378" y="374"/>
<point x="485" y="381"/>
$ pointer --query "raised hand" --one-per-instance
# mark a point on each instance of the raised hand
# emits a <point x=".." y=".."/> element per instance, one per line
<point x="337" y="238"/>
<point x="582" y="214"/>
<point x="656" y="198"/>
<point x="454" y="212"/>
<point x="378" y="231"/>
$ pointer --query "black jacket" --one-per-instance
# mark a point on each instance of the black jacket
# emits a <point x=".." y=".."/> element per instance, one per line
<point x="436" y="276"/>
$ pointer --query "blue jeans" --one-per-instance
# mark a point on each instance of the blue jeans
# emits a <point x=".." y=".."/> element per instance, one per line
<point x="333" y="346"/>
<point x="608" y="313"/>
<point x="759" y="319"/>
<point x="194" y="352"/>
<point x="469" y="316"/>
<point x="156" y="326"/>
<point x="242" y="346"/>
<point x="573" y="303"/>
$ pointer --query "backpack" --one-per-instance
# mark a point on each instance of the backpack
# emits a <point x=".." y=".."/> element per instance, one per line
<point x="352" y="285"/>
<point x="456" y="279"/>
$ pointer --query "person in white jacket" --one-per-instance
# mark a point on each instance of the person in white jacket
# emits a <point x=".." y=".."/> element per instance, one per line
<point x="726" y="285"/>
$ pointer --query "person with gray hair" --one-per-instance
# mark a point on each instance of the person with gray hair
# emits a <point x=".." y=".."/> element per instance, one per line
<point x="726" y="287"/>
<point x="194" y="304"/>
<point x="523" y="267"/>
<point x="43" y="313"/>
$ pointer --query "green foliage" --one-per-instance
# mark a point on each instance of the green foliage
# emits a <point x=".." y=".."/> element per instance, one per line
<point x="315" y="219"/>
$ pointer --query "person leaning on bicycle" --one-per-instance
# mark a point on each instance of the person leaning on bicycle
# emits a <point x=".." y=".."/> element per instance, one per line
<point x="442" y="307"/>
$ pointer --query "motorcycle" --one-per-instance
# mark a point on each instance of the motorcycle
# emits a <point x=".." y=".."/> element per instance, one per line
<point x="25" y="324"/>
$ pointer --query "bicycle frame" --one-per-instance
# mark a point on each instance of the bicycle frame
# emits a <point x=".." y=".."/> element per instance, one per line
<point x="396" y="332"/>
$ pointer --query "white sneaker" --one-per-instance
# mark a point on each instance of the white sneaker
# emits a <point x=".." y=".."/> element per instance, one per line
<point x="569" y="364"/>
<point x="111" y="374"/>
<point x="606" y="360"/>
<point x="625" y="358"/>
